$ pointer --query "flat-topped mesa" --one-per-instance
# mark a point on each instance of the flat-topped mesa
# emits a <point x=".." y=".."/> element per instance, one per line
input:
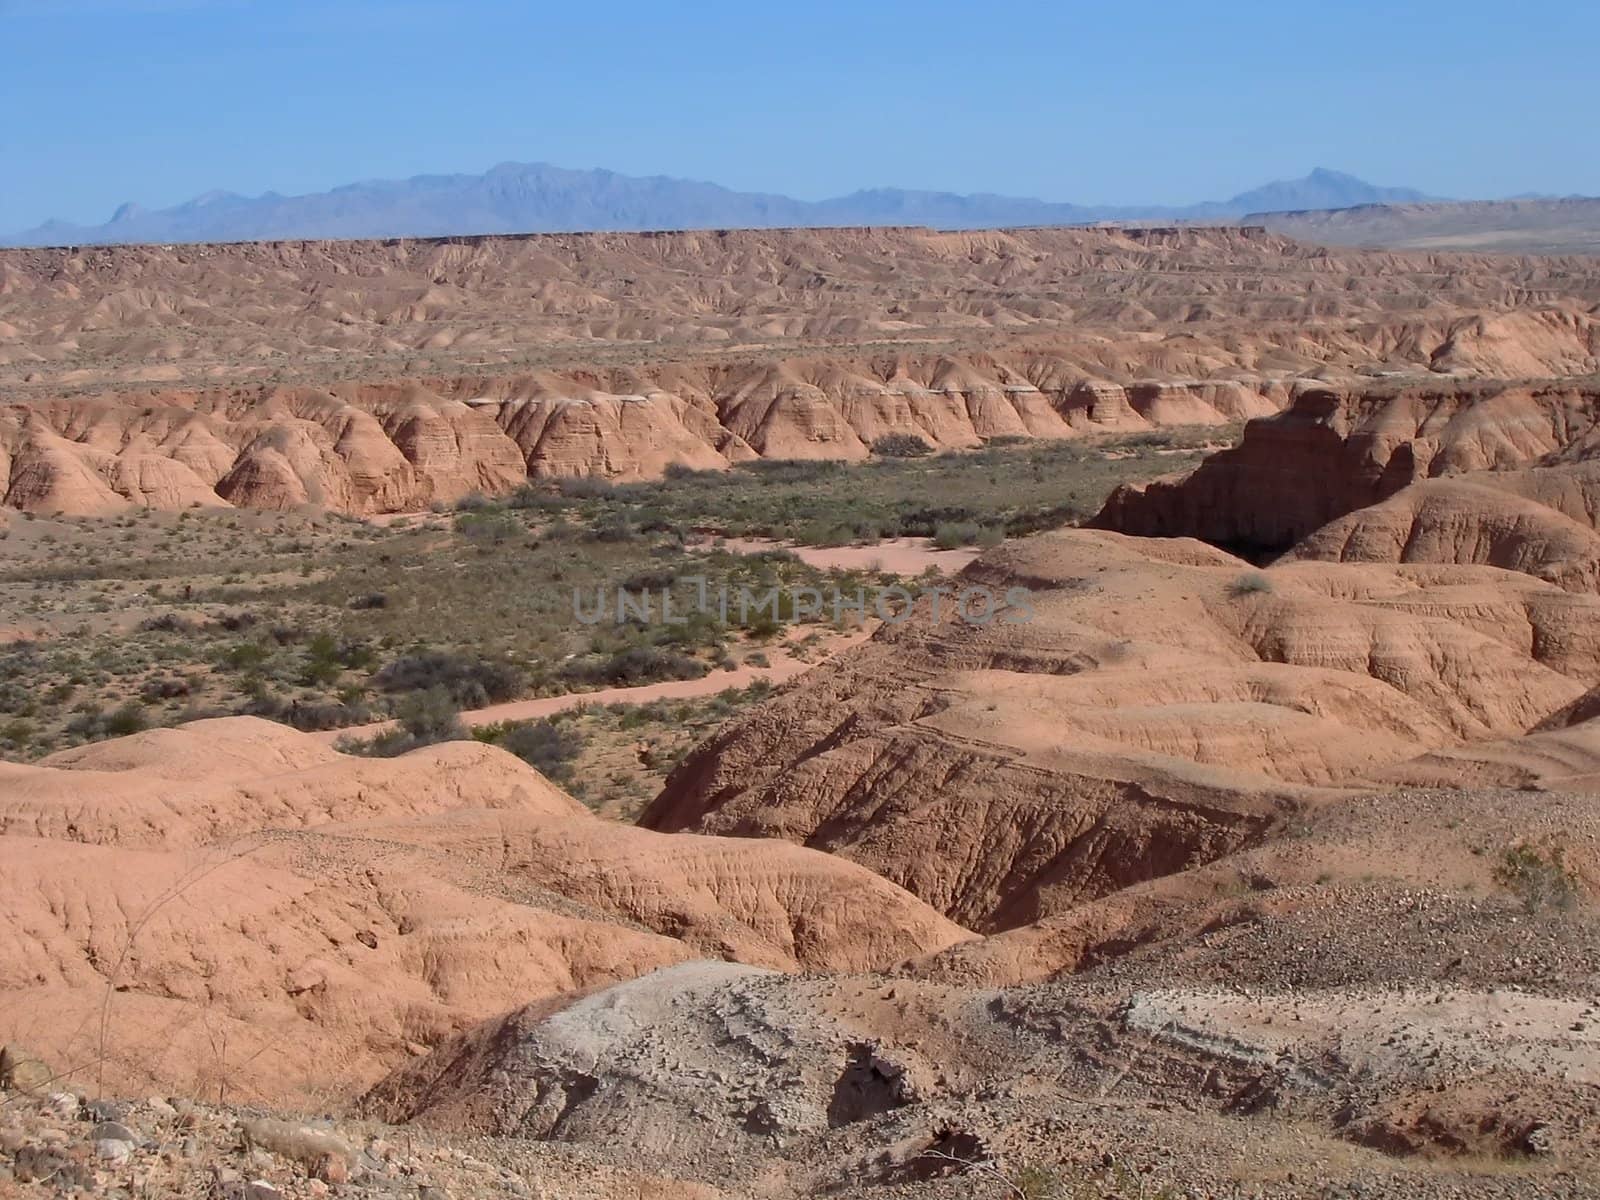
<point x="1339" y="449"/>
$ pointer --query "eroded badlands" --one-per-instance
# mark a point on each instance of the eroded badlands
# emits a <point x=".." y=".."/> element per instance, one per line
<point x="379" y="377"/>
<point x="1256" y="854"/>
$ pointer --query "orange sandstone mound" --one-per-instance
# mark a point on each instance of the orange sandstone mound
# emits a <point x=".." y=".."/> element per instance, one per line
<point x="1162" y="704"/>
<point x="233" y="901"/>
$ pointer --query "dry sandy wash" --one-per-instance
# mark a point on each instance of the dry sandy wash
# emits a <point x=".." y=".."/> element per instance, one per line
<point x="385" y="376"/>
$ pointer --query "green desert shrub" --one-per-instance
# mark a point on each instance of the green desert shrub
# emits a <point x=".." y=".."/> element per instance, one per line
<point x="635" y="664"/>
<point x="901" y="445"/>
<point x="469" y="681"/>
<point x="1539" y="878"/>
<point x="1251" y="583"/>
<point x="422" y="718"/>
<point x="154" y="691"/>
<point x="955" y="535"/>
<point x="549" y="746"/>
<point x="585" y="487"/>
<point x="92" y="724"/>
<point x="490" y="525"/>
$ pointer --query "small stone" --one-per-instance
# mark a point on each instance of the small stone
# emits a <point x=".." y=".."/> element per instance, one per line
<point x="426" y="1191"/>
<point x="23" y="1072"/>
<point x="161" y="1108"/>
<point x="259" y="1160"/>
<point x="104" y="1110"/>
<point x="64" y="1104"/>
<point x="113" y="1131"/>
<point x="332" y="1168"/>
<point x="113" y="1150"/>
<point x="1538" y="1140"/>
<point x="368" y="939"/>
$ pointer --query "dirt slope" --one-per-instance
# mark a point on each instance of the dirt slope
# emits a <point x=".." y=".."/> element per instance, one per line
<point x="1160" y="704"/>
<point x="1333" y="986"/>
<point x="233" y="900"/>
<point x="377" y="448"/>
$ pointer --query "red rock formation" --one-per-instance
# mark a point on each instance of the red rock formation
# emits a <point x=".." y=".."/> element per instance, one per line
<point x="1159" y="707"/>
<point x="1336" y="450"/>
<point x="703" y="349"/>
<point x="373" y="448"/>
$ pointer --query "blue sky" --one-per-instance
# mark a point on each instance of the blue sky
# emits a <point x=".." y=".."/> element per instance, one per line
<point x="159" y="100"/>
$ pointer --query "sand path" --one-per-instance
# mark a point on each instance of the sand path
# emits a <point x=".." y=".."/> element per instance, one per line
<point x="784" y="665"/>
<point x="898" y="556"/>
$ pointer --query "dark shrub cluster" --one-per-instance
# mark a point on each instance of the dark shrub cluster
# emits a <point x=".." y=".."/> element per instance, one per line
<point x="94" y="724"/>
<point x="550" y="746"/>
<point x="636" y="664"/>
<point x="468" y="681"/>
<point x="421" y="719"/>
<point x="901" y="445"/>
<point x="166" y="623"/>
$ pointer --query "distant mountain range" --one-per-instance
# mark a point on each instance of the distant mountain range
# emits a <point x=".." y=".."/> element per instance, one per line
<point x="539" y="198"/>
<point x="1521" y="225"/>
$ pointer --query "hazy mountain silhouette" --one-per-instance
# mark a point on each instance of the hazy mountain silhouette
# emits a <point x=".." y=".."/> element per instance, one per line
<point x="539" y="198"/>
